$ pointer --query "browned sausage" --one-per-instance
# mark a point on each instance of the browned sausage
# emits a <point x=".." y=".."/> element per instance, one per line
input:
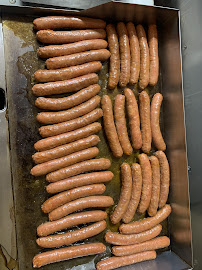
<point x="61" y="37"/>
<point x="57" y="22"/>
<point x="155" y="127"/>
<point x="43" y="75"/>
<point x="85" y="166"/>
<point x="62" y="116"/>
<point x="134" y="52"/>
<point x="115" y="262"/>
<point x="120" y="121"/>
<point x="145" y="121"/>
<point x="114" y="64"/>
<point x="153" y="54"/>
<point x="62" y="162"/>
<point x="134" y="119"/>
<point x="76" y="47"/>
<point x="82" y="203"/>
<point x="66" y="86"/>
<point x="70" y="195"/>
<point x="66" y="149"/>
<point x="79" y="180"/>
<point x="67" y="253"/>
<point x="154" y="202"/>
<point x="135" y="194"/>
<point x="156" y="243"/>
<point x="144" y="57"/>
<point x="56" y="104"/>
<point x="109" y="126"/>
<point x="147" y="223"/>
<point x="51" y="142"/>
<point x="124" y="54"/>
<point x="165" y="177"/>
<point x="68" y="238"/>
<point x="146" y="183"/>
<point x="77" y="59"/>
<point x="70" y="221"/>
<point x="126" y="180"/>
<point x="56" y="129"/>
<point x="124" y="240"/>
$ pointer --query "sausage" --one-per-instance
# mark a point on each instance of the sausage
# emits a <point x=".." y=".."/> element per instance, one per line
<point x="67" y="253"/>
<point x="56" y="129"/>
<point x="66" y="86"/>
<point x="145" y="121"/>
<point x="120" y="121"/>
<point x="68" y="238"/>
<point x="147" y="223"/>
<point x="61" y="37"/>
<point x="114" y="64"/>
<point x="79" y="180"/>
<point x="134" y="119"/>
<point x="144" y="57"/>
<point x="155" y="127"/>
<point x="49" y="143"/>
<point x="134" y="52"/>
<point x="126" y="187"/>
<point x="85" y="166"/>
<point x="124" y="54"/>
<point x="115" y="262"/>
<point x="79" y="204"/>
<point x="109" y="126"/>
<point x="66" y="149"/>
<point x="125" y="239"/>
<point x="156" y="243"/>
<point x="70" y="195"/>
<point x="146" y="183"/>
<point x="135" y="194"/>
<point x="43" y="75"/>
<point x="154" y="202"/>
<point x="71" y="48"/>
<point x="165" y="177"/>
<point x="57" y="22"/>
<point x="56" y="104"/>
<point x="62" y="162"/>
<point x="153" y="55"/>
<point x="77" y="59"/>
<point x="62" y="116"/>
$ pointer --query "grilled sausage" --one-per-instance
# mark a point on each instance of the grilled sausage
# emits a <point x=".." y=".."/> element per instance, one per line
<point x="114" y="64"/>
<point x="70" y="221"/>
<point x="145" y="121"/>
<point x="85" y="166"/>
<point x="80" y="180"/>
<point x="56" y="104"/>
<point x="77" y="59"/>
<point x="82" y="203"/>
<point x="155" y="127"/>
<point x="134" y="53"/>
<point x="126" y="179"/>
<point x="120" y="121"/>
<point x="56" y="164"/>
<point x="134" y="119"/>
<point x="147" y="223"/>
<point x="61" y="37"/>
<point x="71" y="237"/>
<point x="124" y="54"/>
<point x="67" y="253"/>
<point x="66" y="86"/>
<point x="144" y="57"/>
<point x="51" y="142"/>
<point x="109" y="126"/>
<point x="135" y="194"/>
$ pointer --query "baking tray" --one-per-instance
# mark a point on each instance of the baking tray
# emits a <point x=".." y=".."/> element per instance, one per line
<point x="21" y="62"/>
